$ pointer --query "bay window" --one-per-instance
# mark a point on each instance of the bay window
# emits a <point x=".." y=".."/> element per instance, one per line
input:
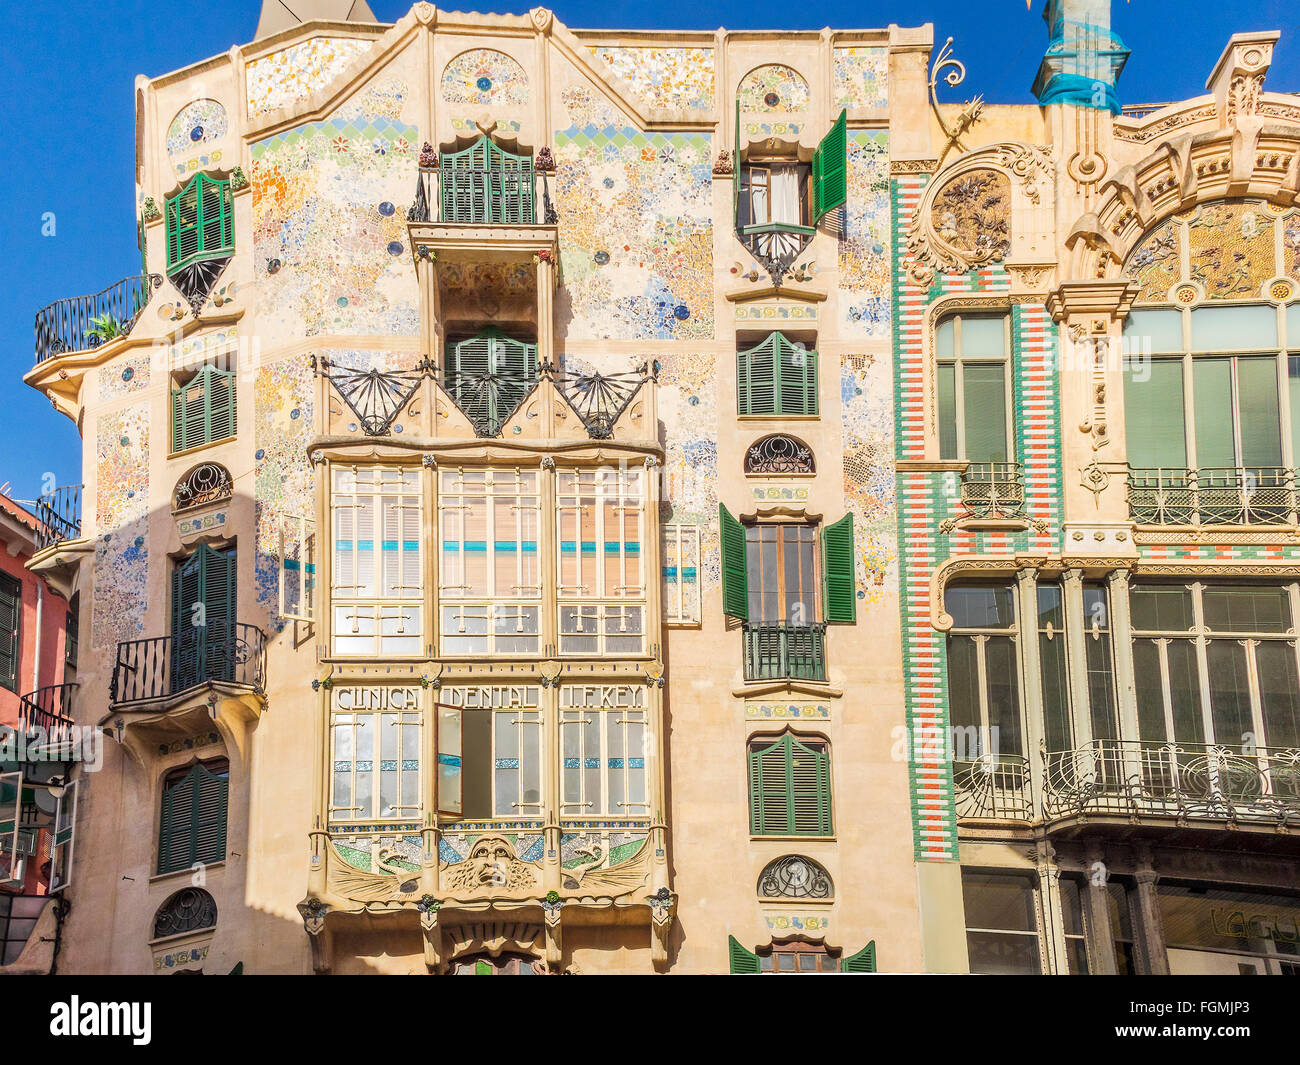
<point x="377" y="589"/>
<point x="604" y="751"/>
<point x="375" y="763"/>
<point x="501" y="750"/>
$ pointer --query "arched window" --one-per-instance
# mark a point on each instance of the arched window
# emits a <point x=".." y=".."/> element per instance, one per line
<point x="485" y="184"/>
<point x="789" y="786"/>
<point x="193" y="823"/>
<point x="777" y="377"/>
<point x="189" y="910"/>
<point x="795" y="877"/>
<point x="206" y="483"/>
<point x="779" y="454"/>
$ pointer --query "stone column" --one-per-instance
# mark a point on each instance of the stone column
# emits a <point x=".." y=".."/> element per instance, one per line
<point x="1150" y="930"/>
<point x="1096" y="905"/>
<point x="1077" y="657"/>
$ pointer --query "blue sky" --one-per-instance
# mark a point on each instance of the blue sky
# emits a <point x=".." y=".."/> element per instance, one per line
<point x="69" y="132"/>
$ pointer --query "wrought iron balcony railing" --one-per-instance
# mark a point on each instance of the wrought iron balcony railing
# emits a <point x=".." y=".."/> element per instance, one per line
<point x="58" y="516"/>
<point x="993" y="489"/>
<point x="79" y="323"/>
<point x="993" y="786"/>
<point x="168" y="665"/>
<point x="1234" y="495"/>
<point x="778" y="651"/>
<point x="1183" y="780"/>
<point x="48" y="710"/>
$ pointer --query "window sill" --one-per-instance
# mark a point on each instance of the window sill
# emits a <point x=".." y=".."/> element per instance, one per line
<point x="201" y="447"/>
<point x="778" y="417"/>
<point x="792" y="839"/>
<point x="162" y="878"/>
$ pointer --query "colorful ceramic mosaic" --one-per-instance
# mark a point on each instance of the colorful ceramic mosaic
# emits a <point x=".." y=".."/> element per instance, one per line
<point x="180" y="959"/>
<point x="672" y="79"/>
<point x="193" y="133"/>
<point x="761" y="130"/>
<point x="1156" y="263"/>
<point x="930" y="503"/>
<point x="773" y="88"/>
<point x="283" y="413"/>
<point x="391" y="853"/>
<point x="292" y="74"/>
<point x="329" y="228"/>
<point x="802" y="711"/>
<point x="636" y="248"/>
<point x="867" y="440"/>
<point x="861" y="77"/>
<point x="863" y="296"/>
<point x="125" y="375"/>
<point x="688" y="487"/>
<point x="972" y="213"/>
<point x="122" y="523"/>
<point x="485" y="76"/>
<point x="776" y="312"/>
<point x="587" y="109"/>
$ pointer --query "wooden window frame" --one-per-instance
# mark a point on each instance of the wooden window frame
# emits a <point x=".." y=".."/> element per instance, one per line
<point x="958" y="360"/>
<point x="808" y="535"/>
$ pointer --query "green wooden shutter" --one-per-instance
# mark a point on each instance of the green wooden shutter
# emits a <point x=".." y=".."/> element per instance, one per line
<point x="810" y="790"/>
<point x="210" y="802"/>
<point x="830" y="169"/>
<point x="796" y="378"/>
<point x="220" y="399"/>
<point x="789" y="789"/>
<point x="11" y="602"/>
<point x="756" y="378"/>
<point x="735" y="579"/>
<point x="864" y="961"/>
<point x="203" y="409"/>
<point x="743" y="962"/>
<point x="187" y="591"/>
<point x="837" y="571"/>
<point x="176" y="831"/>
<point x="219" y="611"/>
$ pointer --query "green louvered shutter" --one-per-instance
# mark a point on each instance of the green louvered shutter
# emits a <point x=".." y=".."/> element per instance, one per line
<point x="743" y="962"/>
<point x="216" y="234"/>
<point x="837" y="565"/>
<point x="220" y="405"/>
<point x="183" y="226"/>
<point x="200" y="222"/>
<point x="769" y="791"/>
<point x="830" y="169"/>
<point x="176" y="828"/>
<point x="756" y="378"/>
<point x="796" y="387"/>
<point x="210" y="801"/>
<point x="864" y="961"/>
<point x="735" y="579"/>
<point x="187" y="638"/>
<point x="219" y="610"/>
<point x="203" y="409"/>
<point x="735" y="170"/>
<point x="11" y="594"/>
<point x="810" y="789"/>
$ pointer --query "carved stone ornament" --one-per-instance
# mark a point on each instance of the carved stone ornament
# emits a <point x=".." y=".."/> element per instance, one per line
<point x="492" y="863"/>
<point x="723" y="167"/>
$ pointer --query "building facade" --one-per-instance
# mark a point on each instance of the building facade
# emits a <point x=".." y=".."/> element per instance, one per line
<point x="574" y="501"/>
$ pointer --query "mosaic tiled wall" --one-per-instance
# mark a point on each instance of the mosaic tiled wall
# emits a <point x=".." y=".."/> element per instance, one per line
<point x="193" y="138"/>
<point x="861" y="77"/>
<point x="773" y="87"/>
<point x="122" y="521"/>
<point x="293" y="74"/>
<point x="283" y="410"/>
<point x="329" y="223"/>
<point x="125" y="375"/>
<point x="675" y="79"/>
<point x="484" y="76"/>
<point x="864" y="244"/>
<point x="636" y="246"/>
<point x="927" y="499"/>
<point x="867" y="428"/>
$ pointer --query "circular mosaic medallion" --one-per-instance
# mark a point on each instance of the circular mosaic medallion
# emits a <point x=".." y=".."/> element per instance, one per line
<point x="1280" y="291"/>
<point x="681" y="312"/>
<point x="1185" y="294"/>
<point x="771" y="99"/>
<point x="386" y="208"/>
<point x="395" y="247"/>
<point x="483" y="84"/>
<point x="601" y="257"/>
<point x="128" y="373"/>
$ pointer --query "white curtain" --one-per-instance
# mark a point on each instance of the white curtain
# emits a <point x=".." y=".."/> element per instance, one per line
<point x="785" y="194"/>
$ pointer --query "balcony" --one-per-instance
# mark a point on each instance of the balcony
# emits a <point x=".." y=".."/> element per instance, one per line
<point x="58" y="516"/>
<point x="993" y="787"/>
<point x="1242" y="495"/>
<point x="993" y="490"/>
<point x="778" y="651"/>
<point x="1186" y="781"/>
<point x="47" y="714"/>
<point x="80" y="323"/>
<point x="157" y="669"/>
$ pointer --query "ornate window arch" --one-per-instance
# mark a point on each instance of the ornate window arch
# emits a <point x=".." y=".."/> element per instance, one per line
<point x="779" y="454"/>
<point x="795" y="877"/>
<point x="208" y="482"/>
<point x="189" y="910"/>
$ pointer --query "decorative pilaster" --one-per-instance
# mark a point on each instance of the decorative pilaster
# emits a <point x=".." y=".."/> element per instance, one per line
<point x="1150" y="931"/>
<point x="1077" y="656"/>
<point x="1096" y="903"/>
<point x="1121" y="632"/>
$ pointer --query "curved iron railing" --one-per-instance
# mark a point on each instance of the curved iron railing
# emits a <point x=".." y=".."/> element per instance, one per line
<point x="79" y="323"/>
<point x="993" y="786"/>
<point x="58" y="516"/>
<point x="1221" y="495"/>
<point x="777" y="651"/>
<point x="993" y="489"/>
<point x="168" y="665"/>
<point x="1183" y="780"/>
<point x="48" y="709"/>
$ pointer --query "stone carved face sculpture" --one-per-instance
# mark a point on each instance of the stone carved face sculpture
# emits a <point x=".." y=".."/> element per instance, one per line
<point x="492" y="862"/>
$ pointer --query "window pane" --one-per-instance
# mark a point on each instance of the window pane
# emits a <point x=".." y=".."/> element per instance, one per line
<point x="1279" y="693"/>
<point x="980" y="606"/>
<point x="1003" y="902"/>
<point x="1185" y="692"/>
<point x="1003" y="695"/>
<point x="1150" y="691"/>
<point x="1153" y="414"/>
<point x="1259" y="418"/>
<point x="963" y="691"/>
<point x="1293" y="390"/>
<point x="985" y="412"/>
<point x="1101" y="686"/>
<point x="1156" y="331"/>
<point x="1212" y="389"/>
<point x="1234" y="328"/>
<point x="948" y="410"/>
<point x="943" y="344"/>
<point x="1246" y="609"/>
<point x="1002" y="955"/>
<point x="1056" y="697"/>
<point x="1161" y="608"/>
<point x="983" y="336"/>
